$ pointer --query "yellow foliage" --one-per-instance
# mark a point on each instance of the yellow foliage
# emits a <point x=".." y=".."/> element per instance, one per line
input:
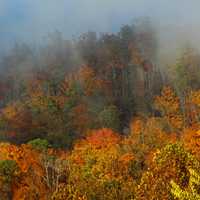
<point x="169" y="106"/>
<point x="191" y="140"/>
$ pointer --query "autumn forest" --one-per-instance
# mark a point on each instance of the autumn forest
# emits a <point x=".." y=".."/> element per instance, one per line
<point x="98" y="117"/>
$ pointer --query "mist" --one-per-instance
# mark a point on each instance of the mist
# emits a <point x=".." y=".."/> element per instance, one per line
<point x="97" y="97"/>
<point x="30" y="21"/>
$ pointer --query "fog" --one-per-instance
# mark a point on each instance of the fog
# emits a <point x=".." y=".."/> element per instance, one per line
<point x="177" y="22"/>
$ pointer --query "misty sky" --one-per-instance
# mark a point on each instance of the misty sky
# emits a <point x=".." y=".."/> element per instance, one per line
<point x="30" y="20"/>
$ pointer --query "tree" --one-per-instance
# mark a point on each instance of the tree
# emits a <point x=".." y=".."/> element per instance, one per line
<point x="9" y="171"/>
<point x="191" y="140"/>
<point x="39" y="144"/>
<point x="100" y="169"/>
<point x="169" y="106"/>
<point x="192" y="192"/>
<point x="171" y="163"/>
<point x="110" y="118"/>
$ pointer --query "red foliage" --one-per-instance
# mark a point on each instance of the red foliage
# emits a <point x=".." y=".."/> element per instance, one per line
<point x="103" y="138"/>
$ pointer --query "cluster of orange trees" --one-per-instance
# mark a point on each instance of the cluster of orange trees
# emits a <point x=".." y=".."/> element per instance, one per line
<point x="159" y="159"/>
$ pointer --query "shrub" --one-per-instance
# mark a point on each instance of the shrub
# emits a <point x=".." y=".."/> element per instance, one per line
<point x="39" y="144"/>
<point x="109" y="118"/>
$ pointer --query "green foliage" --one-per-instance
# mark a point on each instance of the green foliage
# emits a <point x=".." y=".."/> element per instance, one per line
<point x="182" y="78"/>
<point x="64" y="140"/>
<point x="39" y="144"/>
<point x="8" y="168"/>
<point x="109" y="118"/>
<point x="8" y="172"/>
<point x="187" y="71"/>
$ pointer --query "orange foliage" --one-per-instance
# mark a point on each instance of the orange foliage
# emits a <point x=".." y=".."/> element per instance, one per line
<point x="126" y="158"/>
<point x="10" y="111"/>
<point x="192" y="107"/>
<point x="195" y="97"/>
<point x="31" y="184"/>
<point x="191" y="140"/>
<point x="104" y="163"/>
<point x="137" y="126"/>
<point x="17" y="118"/>
<point x="21" y="155"/>
<point x="150" y="132"/>
<point x="148" y="135"/>
<point x="103" y="138"/>
<point x="169" y="105"/>
<point x="91" y="83"/>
